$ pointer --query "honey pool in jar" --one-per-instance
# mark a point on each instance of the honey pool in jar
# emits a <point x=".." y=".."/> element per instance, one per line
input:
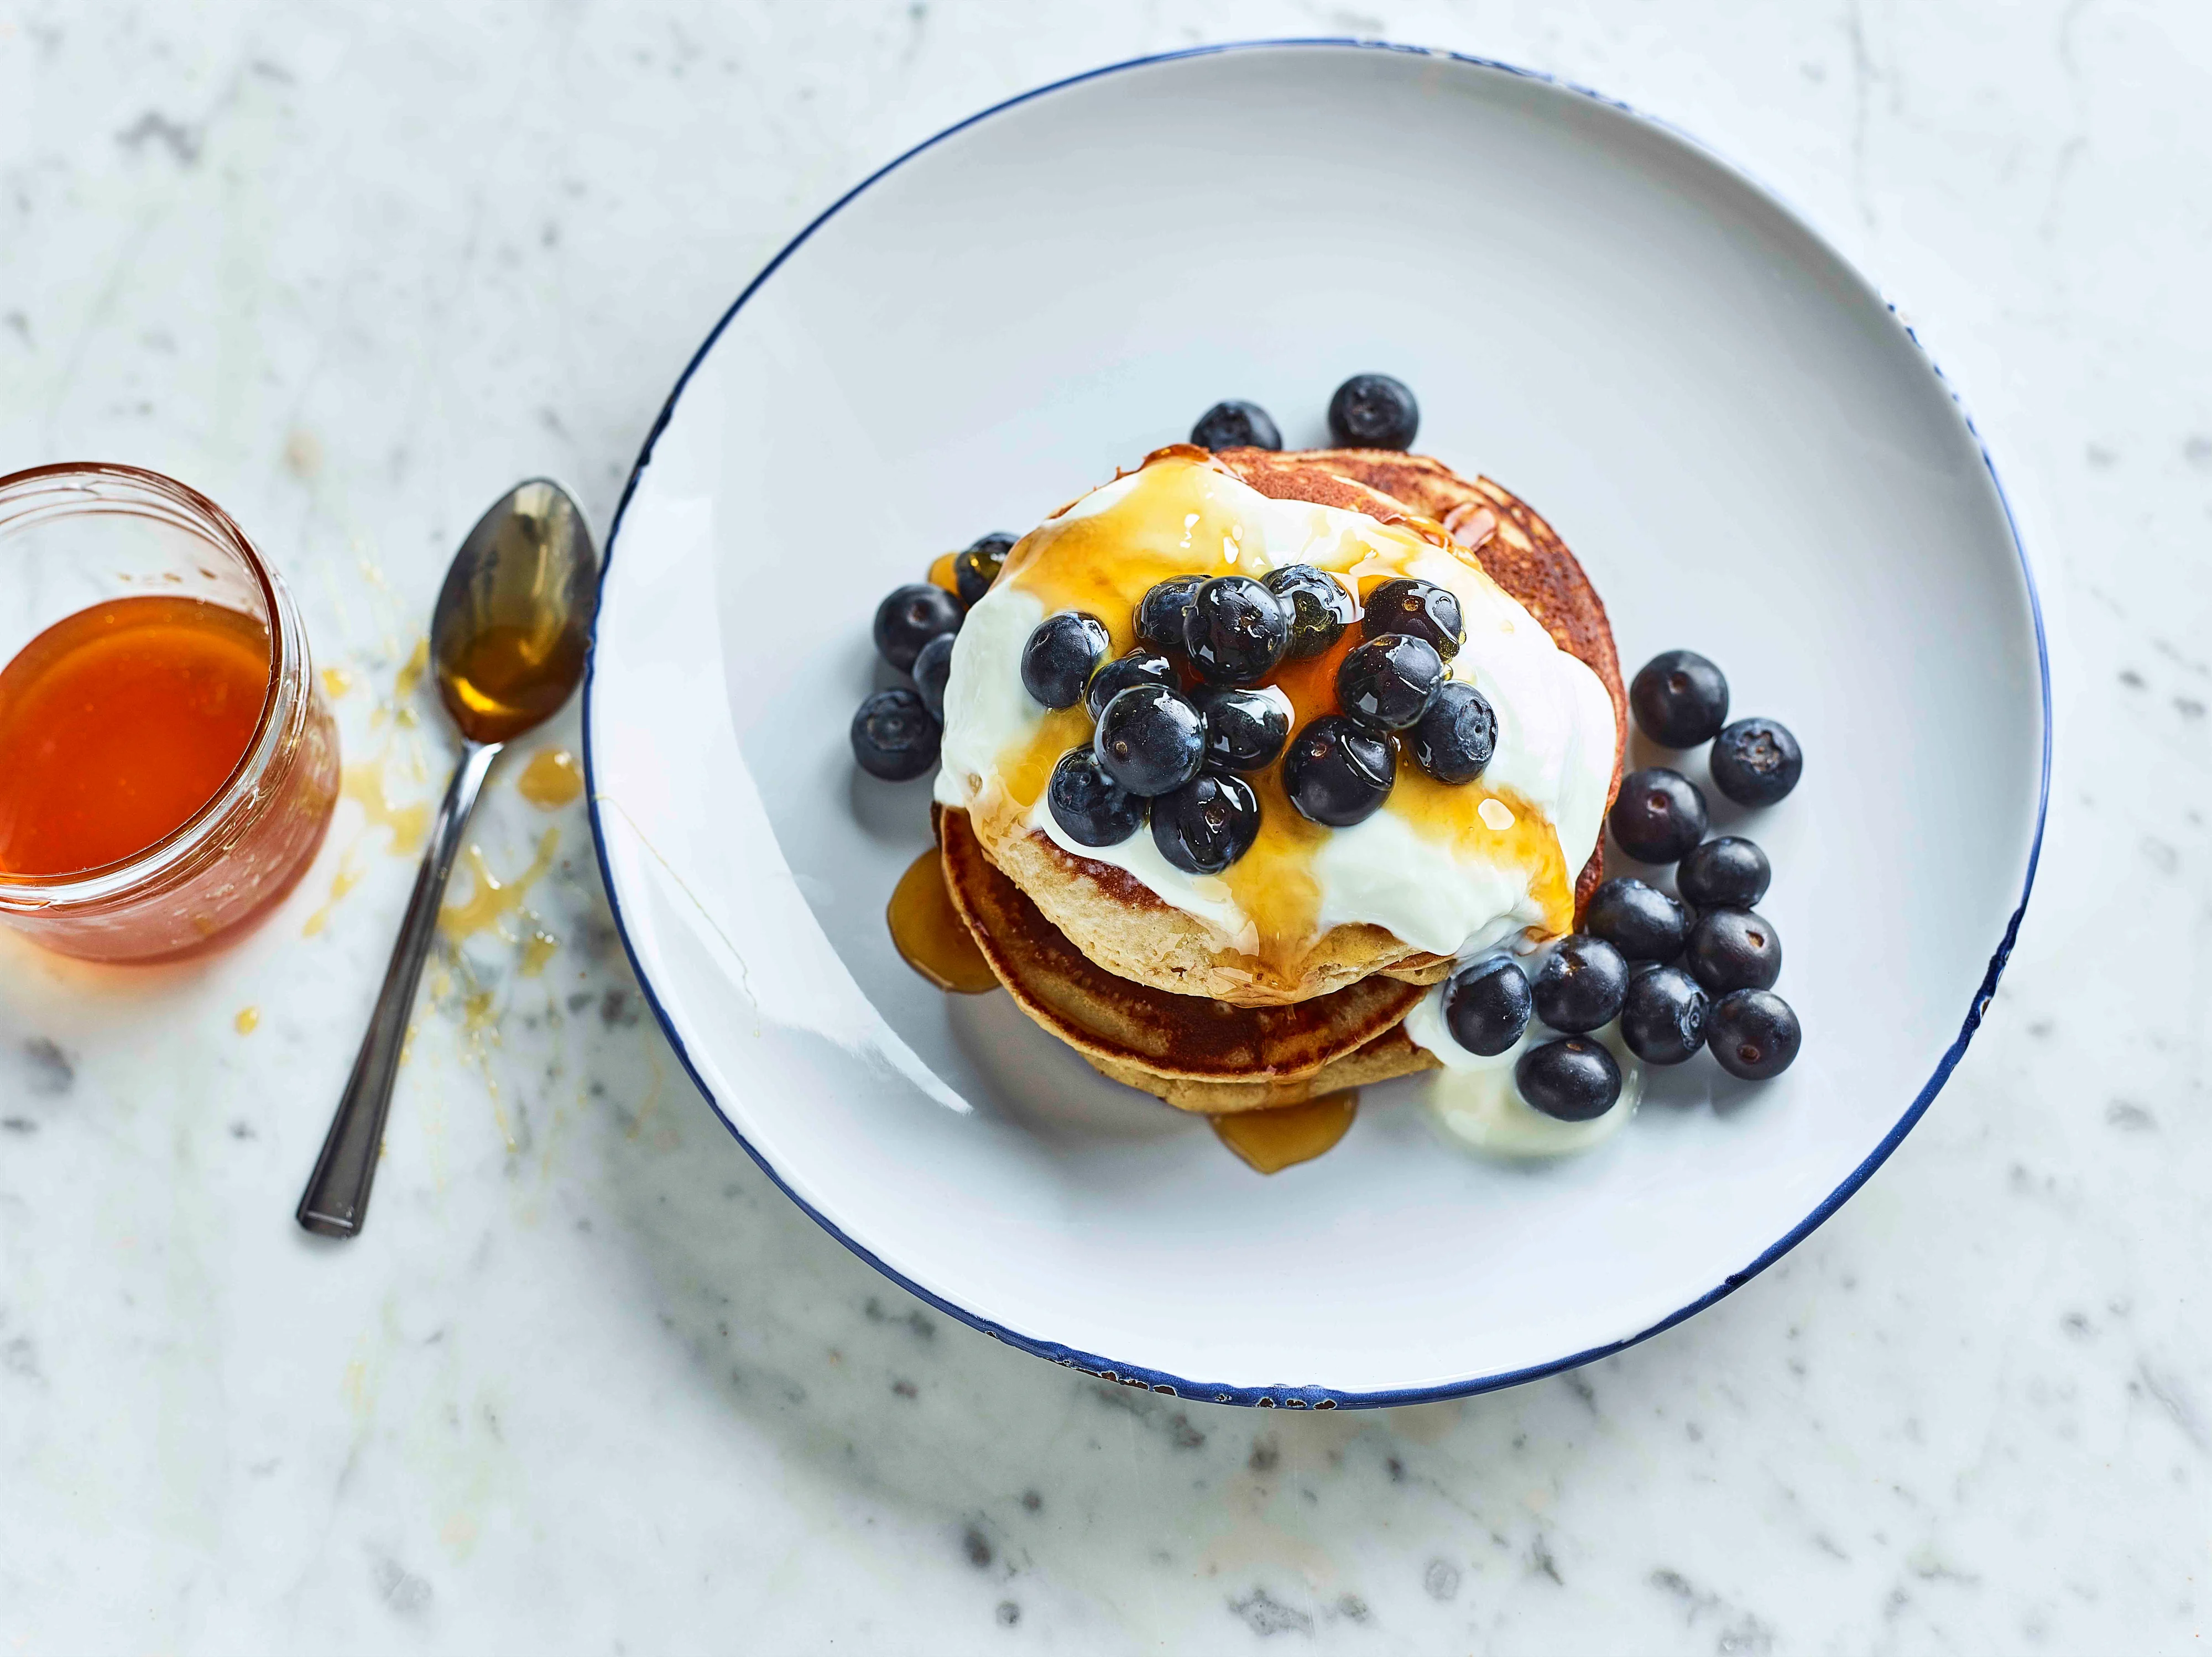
<point x="167" y="764"/>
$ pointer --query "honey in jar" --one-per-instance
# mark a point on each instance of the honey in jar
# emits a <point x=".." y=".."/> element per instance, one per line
<point x="119" y="722"/>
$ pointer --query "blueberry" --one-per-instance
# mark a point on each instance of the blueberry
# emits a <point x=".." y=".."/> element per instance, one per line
<point x="1421" y="608"/>
<point x="1139" y="666"/>
<point x="893" y="736"/>
<point x="1337" y="773"/>
<point x="1373" y="411"/>
<point x="910" y="617"/>
<point x="1319" y="608"/>
<point x="1245" y="729"/>
<point x="1679" y="699"/>
<point x="1061" y="655"/>
<point x="1487" y="1005"/>
<point x="1236" y="425"/>
<point x="1150" y="739"/>
<point x="1756" y="762"/>
<point x="1581" y="986"/>
<point x="1663" y="1019"/>
<point x="1640" y="921"/>
<point x="931" y="669"/>
<point x="1659" y="816"/>
<point x="1574" y="1079"/>
<point x="1235" y="630"/>
<point x="975" y="568"/>
<point x="1161" y="611"/>
<point x="1454" y="739"/>
<point x="1727" y="873"/>
<point x="1734" y="949"/>
<point x="1091" y="806"/>
<point x="1207" y="825"/>
<point x="1387" y="683"/>
<point x="1754" y="1033"/>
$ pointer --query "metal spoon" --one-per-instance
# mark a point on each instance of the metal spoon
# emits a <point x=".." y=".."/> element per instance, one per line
<point x="507" y="642"/>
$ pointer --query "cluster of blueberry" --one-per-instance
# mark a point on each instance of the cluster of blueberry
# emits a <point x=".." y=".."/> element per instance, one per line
<point x="1368" y="411"/>
<point x="1181" y="720"/>
<point x="1623" y="964"/>
<point x="896" y="731"/>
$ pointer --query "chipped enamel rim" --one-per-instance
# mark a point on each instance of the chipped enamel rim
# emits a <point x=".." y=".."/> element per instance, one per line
<point x="1297" y="1397"/>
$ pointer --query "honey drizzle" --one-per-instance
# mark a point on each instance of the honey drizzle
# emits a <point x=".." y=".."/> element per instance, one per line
<point x="1106" y="562"/>
<point x="929" y="934"/>
<point x="1270" y="1141"/>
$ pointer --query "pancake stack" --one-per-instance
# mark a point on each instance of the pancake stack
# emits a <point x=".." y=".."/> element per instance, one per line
<point x="1152" y="997"/>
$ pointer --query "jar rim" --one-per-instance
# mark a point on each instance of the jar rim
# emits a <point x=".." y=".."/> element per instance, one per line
<point x="71" y="488"/>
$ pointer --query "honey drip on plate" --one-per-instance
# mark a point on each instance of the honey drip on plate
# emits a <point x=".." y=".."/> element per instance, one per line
<point x="551" y="780"/>
<point x="1273" y="1140"/>
<point x="929" y="933"/>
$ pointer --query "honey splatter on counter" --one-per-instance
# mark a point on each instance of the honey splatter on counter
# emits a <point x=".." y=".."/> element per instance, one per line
<point x="551" y="780"/>
<point x="540" y="949"/>
<point x="493" y="900"/>
<point x="247" y="1021"/>
<point x="366" y="782"/>
<point x="347" y="878"/>
<point x="335" y="682"/>
<point x="1273" y="1140"/>
<point x="412" y="672"/>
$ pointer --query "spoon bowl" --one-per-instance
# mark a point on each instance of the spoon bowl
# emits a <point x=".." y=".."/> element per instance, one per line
<point x="508" y="640"/>
<point x="508" y="635"/>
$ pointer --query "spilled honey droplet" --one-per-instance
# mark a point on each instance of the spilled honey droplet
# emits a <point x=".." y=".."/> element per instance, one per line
<point x="940" y="573"/>
<point x="493" y="900"/>
<point x="335" y="682"/>
<point x="247" y="1021"/>
<point x="365" y="782"/>
<point x="347" y="878"/>
<point x="412" y="672"/>
<point x="1273" y="1140"/>
<point x="929" y="934"/>
<point x="542" y="947"/>
<point x="551" y="780"/>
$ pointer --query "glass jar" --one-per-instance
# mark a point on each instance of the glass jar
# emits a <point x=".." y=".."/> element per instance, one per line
<point x="77" y="535"/>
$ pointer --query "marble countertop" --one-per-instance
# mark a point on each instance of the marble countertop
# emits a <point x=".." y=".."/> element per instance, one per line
<point x="590" y="1383"/>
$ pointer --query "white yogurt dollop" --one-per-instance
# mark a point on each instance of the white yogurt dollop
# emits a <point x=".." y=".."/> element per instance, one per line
<point x="1473" y="1098"/>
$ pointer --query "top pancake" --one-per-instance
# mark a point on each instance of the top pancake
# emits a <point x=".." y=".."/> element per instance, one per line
<point x="1119" y="924"/>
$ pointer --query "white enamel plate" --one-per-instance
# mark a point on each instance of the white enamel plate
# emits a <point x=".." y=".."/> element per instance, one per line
<point x="1739" y="439"/>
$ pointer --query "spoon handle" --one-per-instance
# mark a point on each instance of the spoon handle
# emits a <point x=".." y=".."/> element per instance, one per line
<point x="336" y="1202"/>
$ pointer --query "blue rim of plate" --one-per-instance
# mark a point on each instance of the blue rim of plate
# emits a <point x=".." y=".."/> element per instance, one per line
<point x="1292" y="1397"/>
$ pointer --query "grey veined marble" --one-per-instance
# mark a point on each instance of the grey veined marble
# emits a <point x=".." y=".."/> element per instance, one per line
<point x="589" y="1383"/>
